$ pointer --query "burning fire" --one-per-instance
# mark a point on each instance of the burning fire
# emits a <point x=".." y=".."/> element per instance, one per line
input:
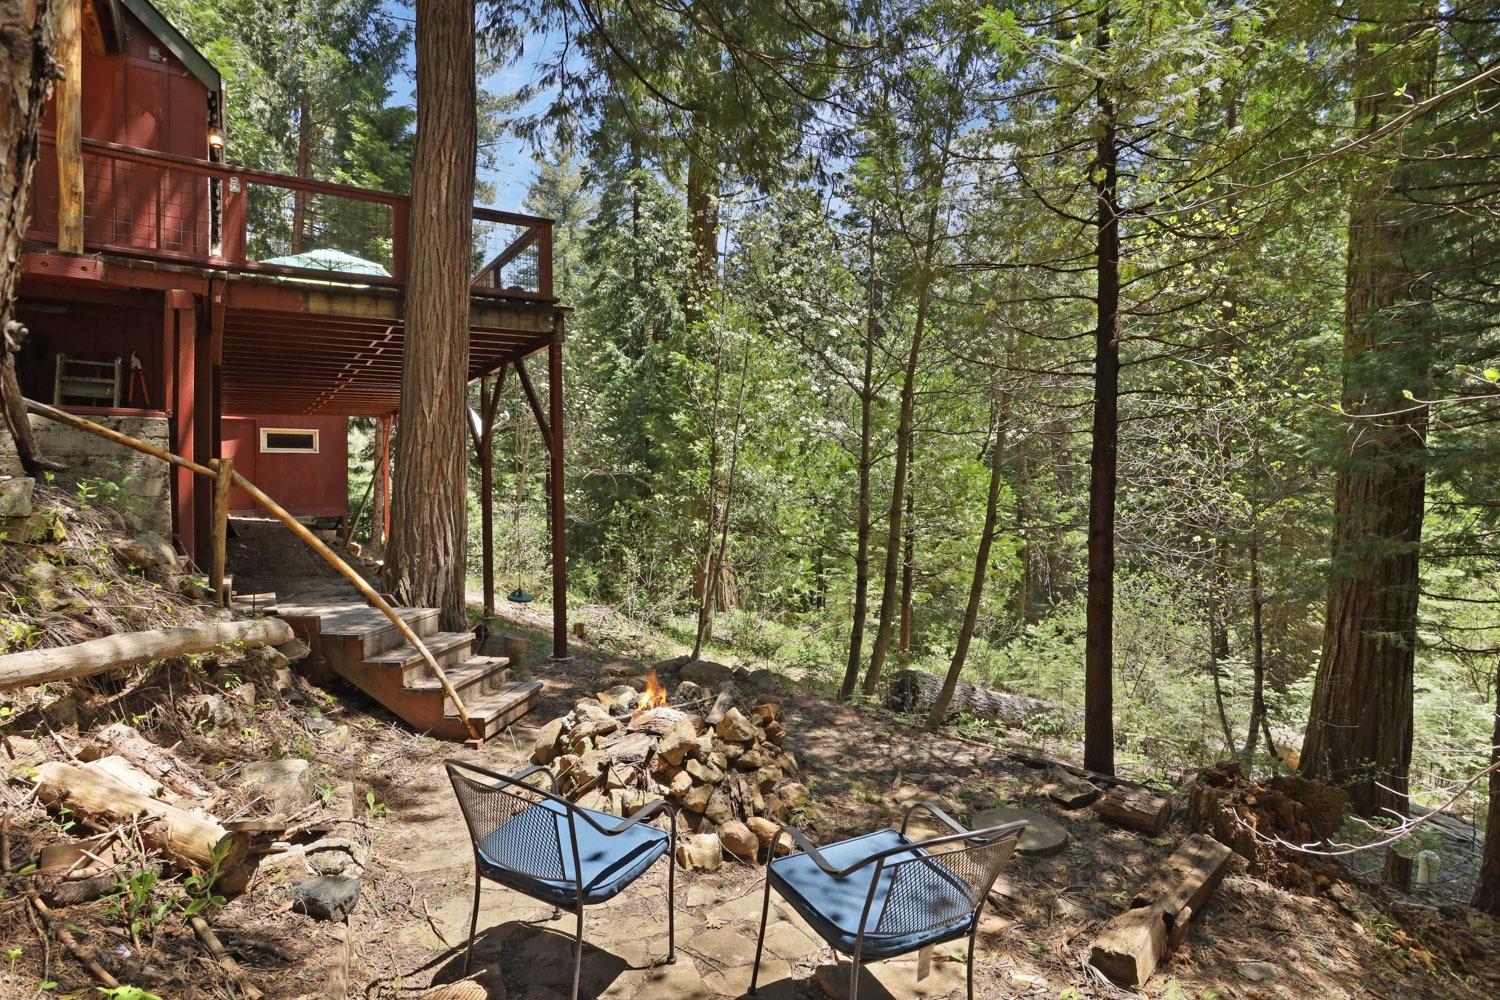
<point x="654" y="694"/>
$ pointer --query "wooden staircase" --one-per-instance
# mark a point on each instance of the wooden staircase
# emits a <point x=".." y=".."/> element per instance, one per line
<point x="362" y="646"/>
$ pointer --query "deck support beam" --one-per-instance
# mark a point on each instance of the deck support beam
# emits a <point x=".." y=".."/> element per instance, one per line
<point x="68" y="32"/>
<point x="555" y="484"/>
<point x="182" y="399"/>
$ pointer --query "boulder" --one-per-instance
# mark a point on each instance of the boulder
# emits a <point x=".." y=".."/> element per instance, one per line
<point x="688" y="691"/>
<point x="738" y="840"/>
<point x="146" y="551"/>
<point x="700" y="852"/>
<point x="793" y="794"/>
<point x="735" y="727"/>
<point x="697" y="798"/>
<point x="706" y="673"/>
<point x="544" y="749"/>
<point x="283" y="786"/>
<point x="679" y="741"/>
<point x="327" y="897"/>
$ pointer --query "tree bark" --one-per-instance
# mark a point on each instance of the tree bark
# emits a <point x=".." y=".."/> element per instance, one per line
<point x="1487" y="888"/>
<point x="426" y="563"/>
<point x="26" y="73"/>
<point x="862" y="513"/>
<point x="939" y="708"/>
<point x="1359" y="731"/>
<point x="908" y="561"/>
<point x="1098" y="702"/>
<point x="381" y="477"/>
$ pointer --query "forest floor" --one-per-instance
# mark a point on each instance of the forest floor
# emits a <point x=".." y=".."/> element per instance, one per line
<point x="1253" y="940"/>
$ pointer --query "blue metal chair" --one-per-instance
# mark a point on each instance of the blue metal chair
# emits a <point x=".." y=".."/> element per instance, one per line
<point x="883" y="894"/>
<point x="540" y="844"/>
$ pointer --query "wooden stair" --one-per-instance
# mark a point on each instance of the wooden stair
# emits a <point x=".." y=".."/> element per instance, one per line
<point x="362" y="646"/>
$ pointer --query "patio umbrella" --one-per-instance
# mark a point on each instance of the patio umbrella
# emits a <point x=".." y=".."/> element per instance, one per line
<point x="329" y="259"/>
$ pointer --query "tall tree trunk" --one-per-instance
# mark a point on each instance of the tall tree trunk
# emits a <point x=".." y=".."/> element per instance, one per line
<point x="427" y="564"/>
<point x="1359" y="731"/>
<point x="26" y="71"/>
<point x="703" y="228"/>
<point x="713" y="572"/>
<point x="1487" y="888"/>
<point x="890" y="584"/>
<point x="939" y="708"/>
<point x="1258" y="720"/>
<point x="1098" y="701"/>
<point x="908" y="558"/>
<point x="304" y="160"/>
<point x="862" y="514"/>
<point x="381" y="500"/>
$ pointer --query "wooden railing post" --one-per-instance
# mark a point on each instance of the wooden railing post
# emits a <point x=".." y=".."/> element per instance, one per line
<point x="68" y="27"/>
<point x="236" y="219"/>
<point x="224" y="469"/>
<point x="544" y="258"/>
<point x="399" y="215"/>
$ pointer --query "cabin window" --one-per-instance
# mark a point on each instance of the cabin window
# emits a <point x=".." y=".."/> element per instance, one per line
<point x="288" y="440"/>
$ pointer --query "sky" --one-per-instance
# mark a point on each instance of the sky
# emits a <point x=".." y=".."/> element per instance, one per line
<point x="514" y="167"/>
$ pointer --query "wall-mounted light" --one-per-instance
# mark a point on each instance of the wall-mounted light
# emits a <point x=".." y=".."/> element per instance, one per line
<point x="215" y="138"/>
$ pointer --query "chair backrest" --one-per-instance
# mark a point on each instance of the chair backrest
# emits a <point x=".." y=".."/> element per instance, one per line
<point x="940" y="887"/>
<point x="531" y="843"/>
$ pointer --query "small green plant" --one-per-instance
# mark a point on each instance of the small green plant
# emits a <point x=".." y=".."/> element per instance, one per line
<point x="199" y="889"/>
<point x="326" y="792"/>
<point x="132" y="903"/>
<point x="13" y="955"/>
<point x="373" y="806"/>
<point x="127" y="992"/>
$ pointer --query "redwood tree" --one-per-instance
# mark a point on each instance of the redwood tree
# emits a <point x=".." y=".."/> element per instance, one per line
<point x="1359" y="732"/>
<point x="427" y="557"/>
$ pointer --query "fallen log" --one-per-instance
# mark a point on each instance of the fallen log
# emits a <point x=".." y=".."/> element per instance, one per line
<point x="119" y="740"/>
<point x="1136" y="808"/>
<point x="96" y="796"/>
<point x="39" y="666"/>
<point x="915" y="691"/>
<point x="1130" y="945"/>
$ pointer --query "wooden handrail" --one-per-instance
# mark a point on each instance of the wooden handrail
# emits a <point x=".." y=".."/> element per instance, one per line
<point x="277" y="511"/>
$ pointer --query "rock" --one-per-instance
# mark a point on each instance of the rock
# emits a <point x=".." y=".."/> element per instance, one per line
<point x="327" y="897"/>
<point x="697" y="798"/>
<point x="766" y="679"/>
<point x="681" y="784"/>
<point x="680" y="740"/>
<point x="146" y="551"/>
<point x="622" y="699"/>
<point x="1257" y="972"/>
<point x="334" y="856"/>
<point x="700" y="852"/>
<point x="1068" y="790"/>
<point x="544" y="748"/>
<point x="214" y="709"/>
<point x="705" y="672"/>
<point x="793" y="794"/>
<point x="594" y="728"/>
<point x="244" y="693"/>
<point x="1044" y="836"/>
<point x="704" y="772"/>
<point x="589" y="709"/>
<point x="295" y="651"/>
<point x="765" y="714"/>
<point x="765" y="831"/>
<point x="735" y="727"/>
<point x="15" y="496"/>
<point x="738" y="840"/>
<point x="619" y="669"/>
<point x="688" y="691"/>
<point x="284" y="786"/>
<point x="753" y="760"/>
<point x="720" y="809"/>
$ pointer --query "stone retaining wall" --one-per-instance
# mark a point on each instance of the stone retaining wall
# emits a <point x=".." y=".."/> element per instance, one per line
<point x="113" y="474"/>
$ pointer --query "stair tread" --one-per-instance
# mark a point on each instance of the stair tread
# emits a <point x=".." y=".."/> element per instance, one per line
<point x="361" y="622"/>
<point x="467" y="672"/>
<point x="406" y="653"/>
<point x="502" y="699"/>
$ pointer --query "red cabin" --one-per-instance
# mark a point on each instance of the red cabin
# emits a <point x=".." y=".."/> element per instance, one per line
<point x="222" y="310"/>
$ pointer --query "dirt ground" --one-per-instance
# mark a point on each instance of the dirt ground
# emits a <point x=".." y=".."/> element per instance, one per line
<point x="1253" y="940"/>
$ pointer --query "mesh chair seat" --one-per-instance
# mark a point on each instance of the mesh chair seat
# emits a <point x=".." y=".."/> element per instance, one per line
<point x="531" y="853"/>
<point x="930" y="904"/>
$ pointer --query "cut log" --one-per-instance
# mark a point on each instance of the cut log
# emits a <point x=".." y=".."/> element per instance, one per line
<point x="915" y="690"/>
<point x="1069" y="790"/>
<point x="1130" y="945"/>
<point x="39" y="666"/>
<point x="118" y="739"/>
<point x="190" y="839"/>
<point x="1135" y="808"/>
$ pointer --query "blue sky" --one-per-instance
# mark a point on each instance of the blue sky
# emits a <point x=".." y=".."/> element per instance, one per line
<point x="514" y="167"/>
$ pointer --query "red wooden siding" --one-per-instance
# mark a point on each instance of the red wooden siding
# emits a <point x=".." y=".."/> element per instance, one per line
<point x="306" y="485"/>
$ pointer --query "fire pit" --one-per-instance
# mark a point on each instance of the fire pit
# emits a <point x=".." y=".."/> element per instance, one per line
<point x="721" y="758"/>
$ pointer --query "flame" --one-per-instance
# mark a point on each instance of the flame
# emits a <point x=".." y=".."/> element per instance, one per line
<point x="654" y="694"/>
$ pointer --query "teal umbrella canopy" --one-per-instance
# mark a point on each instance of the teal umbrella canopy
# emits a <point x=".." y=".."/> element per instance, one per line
<point x="328" y="259"/>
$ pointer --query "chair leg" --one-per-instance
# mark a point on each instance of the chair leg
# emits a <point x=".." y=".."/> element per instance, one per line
<point x="578" y="954"/>
<point x="473" y="923"/>
<point x="972" y="935"/>
<point x="854" y="977"/>
<point x="760" y="942"/>
<point x="671" y="907"/>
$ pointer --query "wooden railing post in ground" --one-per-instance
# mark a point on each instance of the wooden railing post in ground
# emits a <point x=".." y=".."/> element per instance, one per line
<point x="224" y="470"/>
<point x="298" y="528"/>
<point x="69" y="36"/>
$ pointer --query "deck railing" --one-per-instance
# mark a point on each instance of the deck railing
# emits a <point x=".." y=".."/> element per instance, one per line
<point x="143" y="203"/>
